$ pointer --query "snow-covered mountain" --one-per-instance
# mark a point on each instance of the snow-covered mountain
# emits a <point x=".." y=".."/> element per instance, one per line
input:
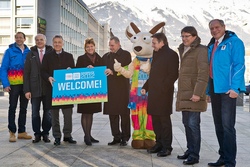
<point x="176" y="14"/>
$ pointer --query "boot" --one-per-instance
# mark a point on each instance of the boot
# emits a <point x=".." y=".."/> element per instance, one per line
<point x="12" y="137"/>
<point x="24" y="135"/>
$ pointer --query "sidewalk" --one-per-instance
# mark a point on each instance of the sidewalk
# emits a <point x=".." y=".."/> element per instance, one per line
<point x="25" y="153"/>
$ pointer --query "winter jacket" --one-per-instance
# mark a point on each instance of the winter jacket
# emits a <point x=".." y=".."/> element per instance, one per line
<point x="13" y="65"/>
<point x="160" y="84"/>
<point x="53" y="61"/>
<point x="228" y="64"/>
<point x="33" y="81"/>
<point x="193" y="77"/>
<point x="118" y="85"/>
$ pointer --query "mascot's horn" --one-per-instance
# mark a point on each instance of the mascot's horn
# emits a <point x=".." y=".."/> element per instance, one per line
<point x="156" y="28"/>
<point x="135" y="28"/>
<point x="127" y="33"/>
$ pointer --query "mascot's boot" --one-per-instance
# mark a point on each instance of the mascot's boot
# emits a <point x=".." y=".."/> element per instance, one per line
<point x="149" y="143"/>
<point x="137" y="144"/>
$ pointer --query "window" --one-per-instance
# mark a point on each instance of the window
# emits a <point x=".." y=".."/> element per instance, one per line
<point x="24" y="7"/>
<point x="5" y="7"/>
<point x="4" y="40"/>
<point x="24" y="23"/>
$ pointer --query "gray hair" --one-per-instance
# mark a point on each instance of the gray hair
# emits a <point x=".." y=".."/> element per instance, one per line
<point x="116" y="39"/>
<point x="219" y="20"/>
<point x="44" y="37"/>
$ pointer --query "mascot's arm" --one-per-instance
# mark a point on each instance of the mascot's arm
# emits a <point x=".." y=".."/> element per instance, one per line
<point x="127" y="71"/>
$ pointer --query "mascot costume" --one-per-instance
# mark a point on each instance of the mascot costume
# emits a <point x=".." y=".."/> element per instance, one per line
<point x="143" y="135"/>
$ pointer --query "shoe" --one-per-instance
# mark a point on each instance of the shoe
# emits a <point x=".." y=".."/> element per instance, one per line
<point x="190" y="161"/>
<point x="163" y="153"/>
<point x="114" y="142"/>
<point x="87" y="141"/>
<point x="46" y="139"/>
<point x="24" y="135"/>
<point x="69" y="139"/>
<point x="154" y="149"/>
<point x="217" y="163"/>
<point x="93" y="140"/>
<point x="123" y="143"/>
<point x="184" y="156"/>
<point x="57" y="141"/>
<point x="37" y="139"/>
<point x="12" y="137"/>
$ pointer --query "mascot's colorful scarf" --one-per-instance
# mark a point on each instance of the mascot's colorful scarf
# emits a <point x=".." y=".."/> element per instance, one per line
<point x="141" y="121"/>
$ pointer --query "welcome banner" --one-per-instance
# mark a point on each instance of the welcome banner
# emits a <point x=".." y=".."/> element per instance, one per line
<point x="79" y="85"/>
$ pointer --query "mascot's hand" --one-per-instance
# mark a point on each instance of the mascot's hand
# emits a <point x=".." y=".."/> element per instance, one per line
<point x="146" y="66"/>
<point x="117" y="66"/>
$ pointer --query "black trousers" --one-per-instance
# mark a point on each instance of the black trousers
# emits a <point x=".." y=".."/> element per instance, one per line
<point x="125" y="132"/>
<point x="163" y="130"/>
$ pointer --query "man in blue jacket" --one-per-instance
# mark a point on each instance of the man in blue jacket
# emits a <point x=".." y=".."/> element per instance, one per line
<point x="12" y="80"/>
<point x="227" y="67"/>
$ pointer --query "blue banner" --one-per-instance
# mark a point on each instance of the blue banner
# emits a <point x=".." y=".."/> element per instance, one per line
<point x="79" y="85"/>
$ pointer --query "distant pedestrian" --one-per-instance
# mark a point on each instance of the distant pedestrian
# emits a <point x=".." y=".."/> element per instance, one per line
<point x="90" y="60"/>
<point x="191" y="95"/>
<point x="160" y="88"/>
<point x="55" y="60"/>
<point x="118" y="93"/>
<point x="12" y="79"/>
<point x="226" y="54"/>
<point x="34" y="89"/>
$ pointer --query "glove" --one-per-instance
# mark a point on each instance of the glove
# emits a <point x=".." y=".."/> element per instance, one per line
<point x="117" y="66"/>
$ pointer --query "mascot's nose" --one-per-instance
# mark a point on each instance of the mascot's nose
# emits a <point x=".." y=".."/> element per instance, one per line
<point x="138" y="48"/>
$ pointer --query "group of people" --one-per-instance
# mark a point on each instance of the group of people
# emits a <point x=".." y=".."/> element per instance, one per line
<point x="216" y="70"/>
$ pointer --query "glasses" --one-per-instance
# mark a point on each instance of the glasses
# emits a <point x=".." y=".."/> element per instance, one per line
<point x="185" y="36"/>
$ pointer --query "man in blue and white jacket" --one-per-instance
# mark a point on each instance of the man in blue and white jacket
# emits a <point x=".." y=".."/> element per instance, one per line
<point x="226" y="54"/>
<point x="12" y="80"/>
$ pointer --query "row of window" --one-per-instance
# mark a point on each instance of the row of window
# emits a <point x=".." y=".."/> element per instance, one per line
<point x="22" y="7"/>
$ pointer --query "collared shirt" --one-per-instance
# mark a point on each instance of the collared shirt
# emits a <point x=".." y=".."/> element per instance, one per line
<point x="40" y="49"/>
<point x="220" y="39"/>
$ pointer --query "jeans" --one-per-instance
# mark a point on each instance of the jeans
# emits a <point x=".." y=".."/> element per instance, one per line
<point x="36" y="119"/>
<point x="224" y="114"/>
<point x="191" y="121"/>
<point x="15" y="93"/>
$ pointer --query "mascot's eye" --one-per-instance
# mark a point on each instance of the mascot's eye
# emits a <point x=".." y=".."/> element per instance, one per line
<point x="147" y="39"/>
<point x="134" y="39"/>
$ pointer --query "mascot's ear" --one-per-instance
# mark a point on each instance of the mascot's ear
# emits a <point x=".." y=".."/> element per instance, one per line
<point x="111" y="33"/>
<point x="163" y="30"/>
<point x="127" y="33"/>
<point x="157" y="27"/>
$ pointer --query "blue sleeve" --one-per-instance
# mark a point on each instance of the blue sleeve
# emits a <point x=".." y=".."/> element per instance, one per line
<point x="5" y="68"/>
<point x="238" y="66"/>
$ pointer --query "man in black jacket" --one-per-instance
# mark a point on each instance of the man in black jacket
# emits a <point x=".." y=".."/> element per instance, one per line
<point x="34" y="88"/>
<point x="55" y="60"/>
<point x="160" y="88"/>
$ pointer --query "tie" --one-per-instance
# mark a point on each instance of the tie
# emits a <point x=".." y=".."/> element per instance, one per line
<point x="41" y="55"/>
<point x="211" y="59"/>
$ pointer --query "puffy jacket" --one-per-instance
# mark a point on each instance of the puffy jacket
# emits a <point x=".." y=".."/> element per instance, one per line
<point x="193" y="77"/>
<point x="13" y="65"/>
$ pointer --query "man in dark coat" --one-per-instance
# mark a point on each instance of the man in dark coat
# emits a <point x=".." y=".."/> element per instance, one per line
<point x="160" y="88"/>
<point x="33" y="88"/>
<point x="118" y="93"/>
<point x="54" y="60"/>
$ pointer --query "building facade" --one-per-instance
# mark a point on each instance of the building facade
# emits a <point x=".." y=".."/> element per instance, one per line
<point x="69" y="18"/>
